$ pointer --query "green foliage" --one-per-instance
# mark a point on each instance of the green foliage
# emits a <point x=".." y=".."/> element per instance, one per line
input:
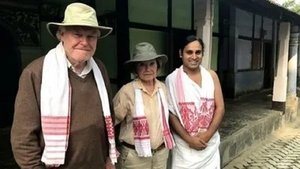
<point x="292" y="5"/>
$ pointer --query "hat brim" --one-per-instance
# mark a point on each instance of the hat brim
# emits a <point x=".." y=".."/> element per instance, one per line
<point x="52" y="28"/>
<point x="129" y="65"/>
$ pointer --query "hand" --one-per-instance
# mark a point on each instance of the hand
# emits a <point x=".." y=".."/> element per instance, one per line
<point x="197" y="143"/>
<point x="108" y="164"/>
<point x="205" y="136"/>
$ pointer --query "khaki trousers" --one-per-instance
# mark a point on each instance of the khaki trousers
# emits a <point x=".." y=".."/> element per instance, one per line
<point x="129" y="159"/>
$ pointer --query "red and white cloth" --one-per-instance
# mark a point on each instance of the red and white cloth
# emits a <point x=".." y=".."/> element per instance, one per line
<point x="141" y="126"/>
<point x="56" y="104"/>
<point x="194" y="106"/>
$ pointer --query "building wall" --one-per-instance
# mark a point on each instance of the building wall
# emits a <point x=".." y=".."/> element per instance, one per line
<point x="249" y="81"/>
<point x="160" y="22"/>
<point x="246" y="66"/>
<point x="240" y="34"/>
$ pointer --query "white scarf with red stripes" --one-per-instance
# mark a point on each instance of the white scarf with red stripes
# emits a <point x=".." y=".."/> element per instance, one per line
<point x="141" y="126"/>
<point x="194" y="106"/>
<point x="56" y="104"/>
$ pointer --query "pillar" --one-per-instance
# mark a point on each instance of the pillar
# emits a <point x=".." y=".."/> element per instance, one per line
<point x="292" y="99"/>
<point x="280" y="81"/>
<point x="203" y="19"/>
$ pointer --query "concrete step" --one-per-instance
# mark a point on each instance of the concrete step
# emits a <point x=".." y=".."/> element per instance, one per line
<point x="254" y="131"/>
<point x="247" y="121"/>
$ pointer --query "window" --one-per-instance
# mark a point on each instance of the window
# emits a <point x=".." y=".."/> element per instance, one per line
<point x="243" y="53"/>
<point x="152" y="12"/>
<point x="256" y="55"/>
<point x="251" y="31"/>
<point x="244" y="22"/>
<point x="267" y="28"/>
<point x="181" y="14"/>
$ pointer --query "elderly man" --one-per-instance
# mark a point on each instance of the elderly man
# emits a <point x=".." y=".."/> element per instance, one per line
<point x="63" y="107"/>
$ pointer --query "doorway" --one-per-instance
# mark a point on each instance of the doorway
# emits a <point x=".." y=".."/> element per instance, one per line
<point x="268" y="66"/>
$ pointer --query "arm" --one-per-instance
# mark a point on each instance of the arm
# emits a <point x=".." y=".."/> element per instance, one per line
<point x="175" y="124"/>
<point x="121" y="103"/>
<point x="26" y="128"/>
<point x="219" y="109"/>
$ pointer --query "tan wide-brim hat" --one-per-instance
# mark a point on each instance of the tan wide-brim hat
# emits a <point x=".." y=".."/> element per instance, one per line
<point x="79" y="14"/>
<point x="144" y="51"/>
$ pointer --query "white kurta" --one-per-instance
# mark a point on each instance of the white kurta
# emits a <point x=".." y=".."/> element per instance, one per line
<point x="194" y="106"/>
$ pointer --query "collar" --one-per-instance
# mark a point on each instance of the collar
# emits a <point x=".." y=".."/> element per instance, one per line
<point x="139" y="85"/>
<point x="85" y="70"/>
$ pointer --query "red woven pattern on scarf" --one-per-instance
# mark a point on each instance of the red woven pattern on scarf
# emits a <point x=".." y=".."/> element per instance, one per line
<point x="195" y="119"/>
<point x="109" y="127"/>
<point x="140" y="128"/>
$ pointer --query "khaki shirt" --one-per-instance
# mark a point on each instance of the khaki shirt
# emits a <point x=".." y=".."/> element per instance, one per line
<point x="124" y="109"/>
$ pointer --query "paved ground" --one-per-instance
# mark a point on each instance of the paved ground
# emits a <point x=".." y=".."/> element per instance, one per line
<point x="281" y="150"/>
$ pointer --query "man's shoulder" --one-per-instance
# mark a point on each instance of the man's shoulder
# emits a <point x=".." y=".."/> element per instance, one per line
<point x="34" y="68"/>
<point x="36" y="64"/>
<point x="210" y="72"/>
<point x="172" y="75"/>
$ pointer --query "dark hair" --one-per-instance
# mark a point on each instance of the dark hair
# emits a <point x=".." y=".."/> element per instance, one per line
<point x="134" y="70"/>
<point x="189" y="39"/>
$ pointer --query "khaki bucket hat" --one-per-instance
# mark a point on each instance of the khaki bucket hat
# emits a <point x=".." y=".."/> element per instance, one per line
<point x="144" y="51"/>
<point x="79" y="14"/>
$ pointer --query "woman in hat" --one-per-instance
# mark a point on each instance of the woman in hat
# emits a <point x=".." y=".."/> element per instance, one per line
<point x="62" y="112"/>
<point x="141" y="110"/>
